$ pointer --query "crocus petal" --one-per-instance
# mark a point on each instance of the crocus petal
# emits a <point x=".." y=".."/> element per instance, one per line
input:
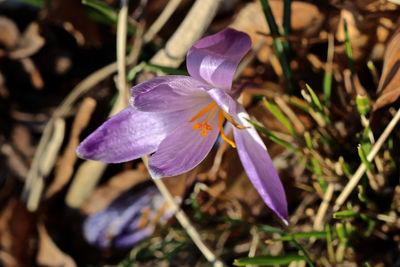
<point x="166" y="94"/>
<point x="224" y="100"/>
<point x="214" y="59"/>
<point x="121" y="224"/>
<point x="259" y="167"/>
<point x="183" y="149"/>
<point x="130" y="134"/>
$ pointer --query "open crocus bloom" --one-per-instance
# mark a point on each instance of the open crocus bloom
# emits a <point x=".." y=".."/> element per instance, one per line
<point x="180" y="117"/>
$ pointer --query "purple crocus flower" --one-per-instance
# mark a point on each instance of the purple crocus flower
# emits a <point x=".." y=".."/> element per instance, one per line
<point x="132" y="217"/>
<point x="180" y="117"/>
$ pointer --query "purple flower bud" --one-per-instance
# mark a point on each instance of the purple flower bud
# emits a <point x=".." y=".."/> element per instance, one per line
<point x="131" y="218"/>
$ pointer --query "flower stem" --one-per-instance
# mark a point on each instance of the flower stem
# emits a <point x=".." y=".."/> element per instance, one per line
<point x="187" y="225"/>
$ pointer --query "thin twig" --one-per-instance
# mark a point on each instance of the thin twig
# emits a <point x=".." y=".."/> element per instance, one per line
<point x="161" y="20"/>
<point x="122" y="100"/>
<point x="187" y="225"/>
<point x="362" y="168"/>
<point x="254" y="242"/>
<point x="191" y="29"/>
<point x="290" y="114"/>
<point x="378" y="160"/>
<point x="319" y="218"/>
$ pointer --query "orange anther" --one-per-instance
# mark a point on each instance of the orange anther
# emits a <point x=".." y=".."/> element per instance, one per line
<point x="203" y="132"/>
<point x="210" y="109"/>
<point x="197" y="126"/>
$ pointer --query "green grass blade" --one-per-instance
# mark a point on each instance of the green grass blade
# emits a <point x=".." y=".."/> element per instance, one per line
<point x="274" y="138"/>
<point x="299" y="104"/>
<point x="327" y="87"/>
<point x="36" y="3"/>
<point x="342" y="233"/>
<point x="363" y="157"/>
<point x="315" y="98"/>
<point x="344" y="214"/>
<point x="268" y="260"/>
<point x="270" y="229"/>
<point x="281" y="48"/>
<point x="273" y="27"/>
<point x="110" y="16"/>
<point x="287" y="14"/>
<point x="316" y="167"/>
<point x="151" y="67"/>
<point x="327" y="82"/>
<point x="307" y="138"/>
<point x="311" y="234"/>
<point x="102" y="8"/>
<point x="331" y="253"/>
<point x="363" y="104"/>
<point x="317" y="103"/>
<point x="293" y="242"/>
<point x="280" y="116"/>
<point x="166" y="70"/>
<point x="349" y="51"/>
<point x="135" y="70"/>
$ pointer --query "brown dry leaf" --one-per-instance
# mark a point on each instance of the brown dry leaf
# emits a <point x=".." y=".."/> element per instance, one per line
<point x="7" y="259"/>
<point x="16" y="230"/>
<point x="375" y="6"/>
<point x="105" y="194"/>
<point x="65" y="165"/>
<point x="389" y="84"/>
<point x="15" y="162"/>
<point x="29" y="43"/>
<point x="49" y="254"/>
<point x="22" y="141"/>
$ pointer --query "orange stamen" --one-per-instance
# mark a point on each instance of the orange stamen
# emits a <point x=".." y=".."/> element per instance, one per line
<point x="231" y="120"/>
<point x="221" y="128"/>
<point x="204" y="126"/>
<point x="203" y="132"/>
<point x="197" y="126"/>
<point x="203" y="111"/>
<point x="211" y="108"/>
